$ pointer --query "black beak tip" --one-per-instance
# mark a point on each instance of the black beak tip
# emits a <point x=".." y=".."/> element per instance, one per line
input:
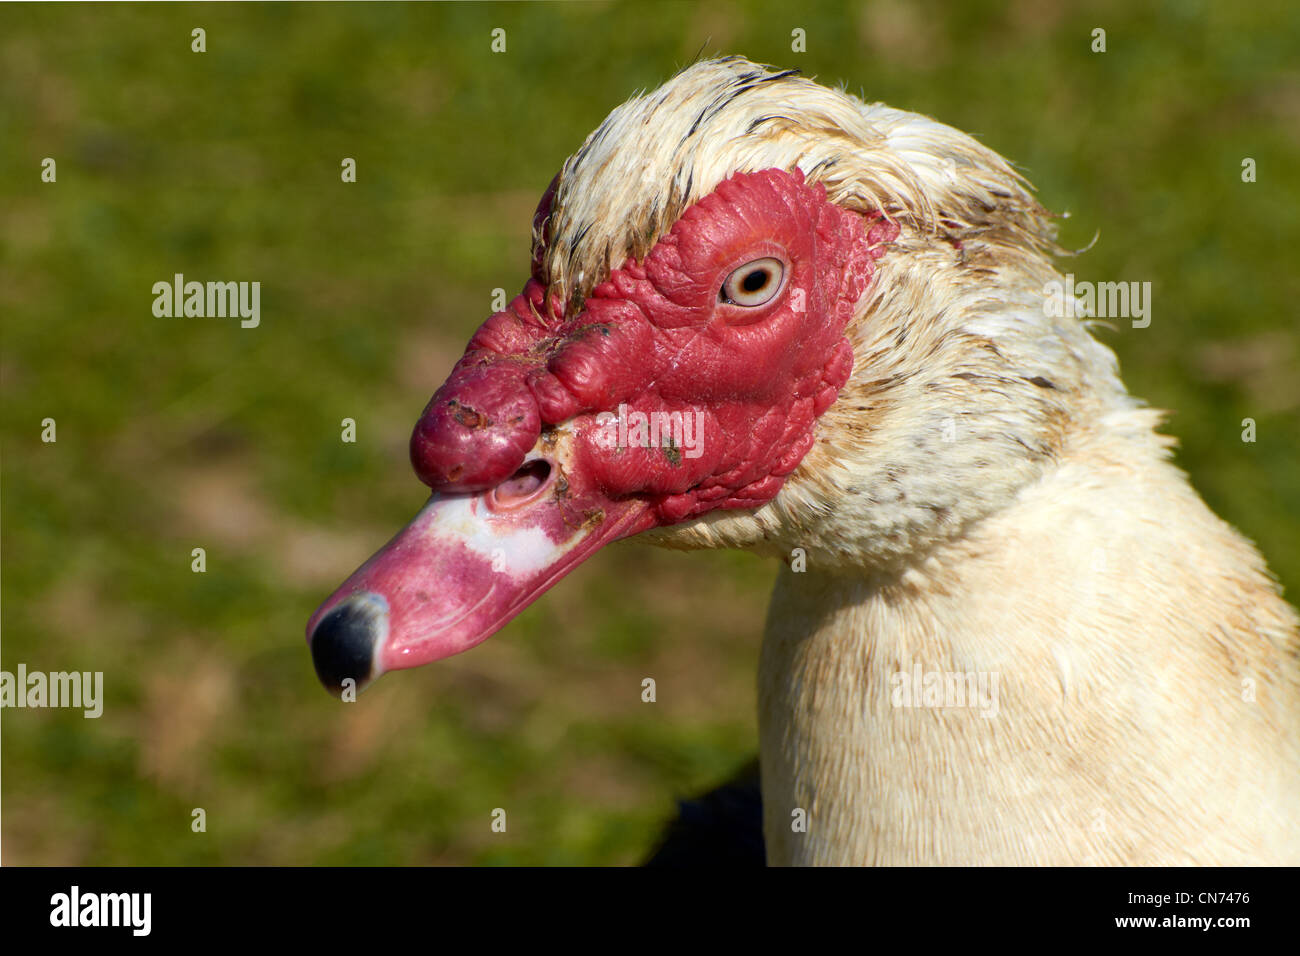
<point x="343" y="645"/>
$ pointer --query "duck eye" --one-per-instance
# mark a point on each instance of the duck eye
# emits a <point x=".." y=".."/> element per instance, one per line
<point x="754" y="283"/>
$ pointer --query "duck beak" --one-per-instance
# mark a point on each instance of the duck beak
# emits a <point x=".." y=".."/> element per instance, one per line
<point x="466" y="565"/>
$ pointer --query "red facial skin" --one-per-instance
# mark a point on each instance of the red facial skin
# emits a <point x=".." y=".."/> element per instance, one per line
<point x="655" y="337"/>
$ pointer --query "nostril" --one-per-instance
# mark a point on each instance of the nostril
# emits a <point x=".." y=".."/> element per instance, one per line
<point x="524" y="484"/>
<point x="344" y="641"/>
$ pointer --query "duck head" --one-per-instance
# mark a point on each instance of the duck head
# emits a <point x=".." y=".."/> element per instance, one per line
<point x="757" y="315"/>
<point x="689" y="380"/>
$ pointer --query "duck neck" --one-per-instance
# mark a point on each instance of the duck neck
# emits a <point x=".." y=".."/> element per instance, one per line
<point x="948" y="711"/>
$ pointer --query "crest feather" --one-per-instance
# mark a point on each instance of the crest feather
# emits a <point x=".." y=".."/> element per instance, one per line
<point x="661" y="152"/>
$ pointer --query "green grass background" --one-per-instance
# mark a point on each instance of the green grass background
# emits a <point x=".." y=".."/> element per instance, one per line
<point x="176" y="434"/>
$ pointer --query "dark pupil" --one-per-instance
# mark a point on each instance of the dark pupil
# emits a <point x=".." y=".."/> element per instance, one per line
<point x="754" y="280"/>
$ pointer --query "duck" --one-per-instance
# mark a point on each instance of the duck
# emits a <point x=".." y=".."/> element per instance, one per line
<point x="765" y="314"/>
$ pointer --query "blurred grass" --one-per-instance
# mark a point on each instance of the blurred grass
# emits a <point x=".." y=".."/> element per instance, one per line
<point x="175" y="434"/>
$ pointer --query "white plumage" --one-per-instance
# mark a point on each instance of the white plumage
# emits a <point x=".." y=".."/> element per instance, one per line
<point x="984" y="498"/>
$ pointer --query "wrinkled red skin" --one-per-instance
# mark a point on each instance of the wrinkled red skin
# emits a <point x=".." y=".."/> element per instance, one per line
<point x="657" y="338"/>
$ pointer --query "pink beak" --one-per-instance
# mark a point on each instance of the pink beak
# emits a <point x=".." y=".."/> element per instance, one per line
<point x="466" y="565"/>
